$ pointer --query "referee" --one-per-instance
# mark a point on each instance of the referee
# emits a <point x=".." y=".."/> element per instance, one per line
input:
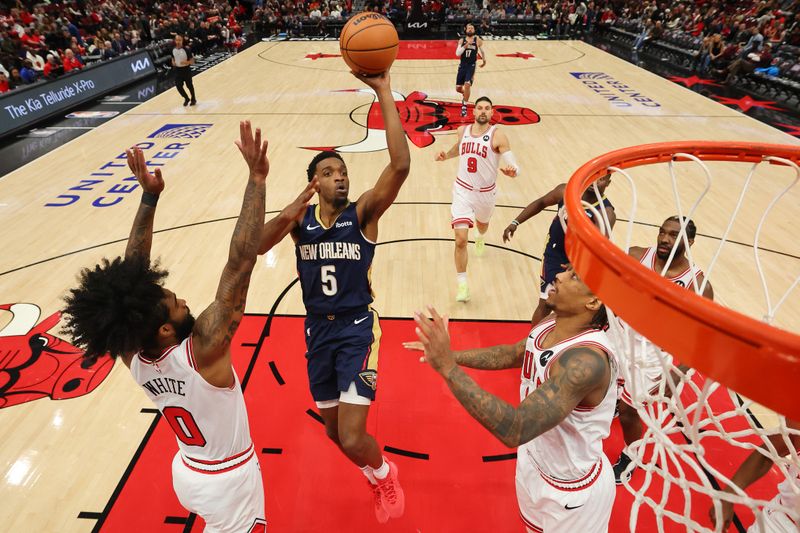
<point x="182" y="61"/>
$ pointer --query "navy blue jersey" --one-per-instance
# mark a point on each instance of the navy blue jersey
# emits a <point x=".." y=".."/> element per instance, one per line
<point x="333" y="263"/>
<point x="470" y="54"/>
<point x="554" y="253"/>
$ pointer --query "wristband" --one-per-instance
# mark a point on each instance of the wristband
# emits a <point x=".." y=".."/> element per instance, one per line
<point x="149" y="198"/>
<point x="515" y="222"/>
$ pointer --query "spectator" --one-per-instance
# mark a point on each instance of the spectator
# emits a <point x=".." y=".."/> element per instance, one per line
<point x="52" y="68"/>
<point x="15" y="80"/>
<point x="748" y="63"/>
<point x="108" y="51"/>
<point x="4" y="85"/>
<point x="27" y="73"/>
<point x="70" y="61"/>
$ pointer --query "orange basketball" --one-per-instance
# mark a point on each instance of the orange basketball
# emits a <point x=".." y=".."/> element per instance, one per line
<point x="369" y="43"/>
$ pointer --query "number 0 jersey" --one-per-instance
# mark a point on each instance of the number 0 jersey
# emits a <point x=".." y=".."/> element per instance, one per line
<point x="334" y="263"/>
<point x="209" y="422"/>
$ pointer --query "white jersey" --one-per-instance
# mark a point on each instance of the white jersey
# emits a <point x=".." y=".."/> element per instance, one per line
<point x="210" y="423"/>
<point x="786" y="490"/>
<point x="569" y="455"/>
<point x="688" y="278"/>
<point x="478" y="162"/>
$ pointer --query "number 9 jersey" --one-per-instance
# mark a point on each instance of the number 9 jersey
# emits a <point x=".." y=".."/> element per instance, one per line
<point x="334" y="263"/>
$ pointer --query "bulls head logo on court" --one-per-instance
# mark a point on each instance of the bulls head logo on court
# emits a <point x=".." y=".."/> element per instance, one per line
<point x="36" y="364"/>
<point x="422" y="118"/>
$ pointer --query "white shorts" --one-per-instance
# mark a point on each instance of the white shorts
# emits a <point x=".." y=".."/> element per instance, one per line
<point x="641" y="370"/>
<point x="471" y="206"/>
<point x="229" y="502"/>
<point x="543" y="507"/>
<point x="775" y="521"/>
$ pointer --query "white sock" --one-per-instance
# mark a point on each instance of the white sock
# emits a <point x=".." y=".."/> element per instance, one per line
<point x="369" y="473"/>
<point x="382" y="471"/>
<point x="461" y="277"/>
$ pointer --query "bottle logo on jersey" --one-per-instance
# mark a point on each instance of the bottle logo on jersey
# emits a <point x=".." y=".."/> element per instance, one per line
<point x="35" y="364"/>
<point x="421" y="118"/>
<point x="370" y="378"/>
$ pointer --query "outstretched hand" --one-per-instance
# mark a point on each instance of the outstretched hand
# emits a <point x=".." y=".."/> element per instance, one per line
<point x="441" y="156"/>
<point x="298" y="207"/>
<point x="252" y="149"/>
<point x="374" y="81"/>
<point x="415" y="346"/>
<point x="435" y="340"/>
<point x="152" y="183"/>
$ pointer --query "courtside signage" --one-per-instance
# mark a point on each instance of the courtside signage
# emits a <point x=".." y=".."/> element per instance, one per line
<point x="617" y="93"/>
<point x="25" y="107"/>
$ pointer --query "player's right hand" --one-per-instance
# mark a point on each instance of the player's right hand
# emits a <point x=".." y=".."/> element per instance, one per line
<point x="509" y="232"/>
<point x="152" y="183"/>
<point x="298" y="207"/>
<point x="441" y="156"/>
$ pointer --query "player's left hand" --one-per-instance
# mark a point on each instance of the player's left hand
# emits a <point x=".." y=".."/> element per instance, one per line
<point x="152" y="183"/>
<point x="483" y="63"/>
<point x="435" y="340"/>
<point x="509" y="171"/>
<point x="374" y="81"/>
<point x="253" y="150"/>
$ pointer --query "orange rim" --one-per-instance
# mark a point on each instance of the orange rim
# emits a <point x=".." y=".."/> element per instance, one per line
<point x="754" y="359"/>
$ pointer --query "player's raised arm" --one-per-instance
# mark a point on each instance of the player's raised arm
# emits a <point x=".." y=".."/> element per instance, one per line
<point x="216" y="325"/>
<point x="375" y="201"/>
<point x="141" y="237"/>
<point x="534" y="208"/>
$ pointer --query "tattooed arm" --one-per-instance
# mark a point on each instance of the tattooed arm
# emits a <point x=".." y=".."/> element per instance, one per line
<point x="578" y="372"/>
<point x="494" y="357"/>
<point x="141" y="237"/>
<point x="216" y="325"/>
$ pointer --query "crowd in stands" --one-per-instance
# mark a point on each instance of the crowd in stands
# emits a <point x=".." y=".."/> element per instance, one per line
<point x="41" y="41"/>
<point x="728" y="38"/>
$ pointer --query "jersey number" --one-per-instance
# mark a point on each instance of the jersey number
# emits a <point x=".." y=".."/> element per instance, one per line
<point x="468" y="53"/>
<point x="182" y="423"/>
<point x="329" y="286"/>
<point x="472" y="165"/>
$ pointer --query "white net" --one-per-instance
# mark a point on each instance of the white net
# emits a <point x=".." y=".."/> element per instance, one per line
<point x="697" y="432"/>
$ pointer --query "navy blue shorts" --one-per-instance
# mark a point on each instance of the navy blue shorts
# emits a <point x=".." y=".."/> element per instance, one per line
<point x="466" y="74"/>
<point x="550" y="268"/>
<point x="342" y="351"/>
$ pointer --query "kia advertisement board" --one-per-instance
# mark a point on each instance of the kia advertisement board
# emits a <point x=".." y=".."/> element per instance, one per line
<point x="24" y="107"/>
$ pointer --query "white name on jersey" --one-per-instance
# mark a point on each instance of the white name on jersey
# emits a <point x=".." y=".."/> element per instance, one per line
<point x="330" y="250"/>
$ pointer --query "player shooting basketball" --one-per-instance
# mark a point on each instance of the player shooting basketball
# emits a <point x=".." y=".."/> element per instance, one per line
<point x="335" y="243"/>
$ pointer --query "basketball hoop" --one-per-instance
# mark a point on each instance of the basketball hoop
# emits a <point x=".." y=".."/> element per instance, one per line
<point x="724" y="348"/>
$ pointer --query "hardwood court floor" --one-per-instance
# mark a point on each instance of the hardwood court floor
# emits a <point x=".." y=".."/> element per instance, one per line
<point x="70" y="208"/>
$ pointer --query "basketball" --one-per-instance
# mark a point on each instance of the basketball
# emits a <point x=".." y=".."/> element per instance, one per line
<point x="369" y="43"/>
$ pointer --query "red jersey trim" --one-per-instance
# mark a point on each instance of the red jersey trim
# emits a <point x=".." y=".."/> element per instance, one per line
<point x="218" y="467"/>
<point x="160" y="358"/>
<point x="577" y="484"/>
<point x="530" y="524"/>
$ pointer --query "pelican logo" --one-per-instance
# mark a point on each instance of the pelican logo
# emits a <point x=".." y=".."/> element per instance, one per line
<point x="140" y="64"/>
<point x="370" y="378"/>
<point x="422" y="118"/>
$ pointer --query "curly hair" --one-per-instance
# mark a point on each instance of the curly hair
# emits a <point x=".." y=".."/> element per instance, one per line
<point x="117" y="307"/>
